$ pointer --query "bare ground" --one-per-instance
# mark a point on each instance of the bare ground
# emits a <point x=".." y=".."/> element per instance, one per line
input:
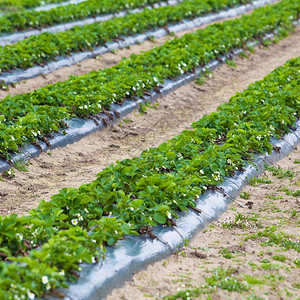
<point x="80" y="162"/>
<point x="262" y="271"/>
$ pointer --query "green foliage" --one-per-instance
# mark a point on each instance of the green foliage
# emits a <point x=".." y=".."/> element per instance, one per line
<point x="28" y="117"/>
<point x="289" y="192"/>
<point x="221" y="278"/>
<point x="37" y="50"/>
<point x="279" y="257"/>
<point x="19" y="19"/>
<point x="279" y="172"/>
<point x="226" y="253"/>
<point x="10" y="173"/>
<point x="230" y="63"/>
<point x="244" y="221"/>
<point x="132" y="195"/>
<point x="245" y="195"/>
<point x="21" y="166"/>
<point x="259" y="180"/>
<point x="16" y="5"/>
<point x="272" y="237"/>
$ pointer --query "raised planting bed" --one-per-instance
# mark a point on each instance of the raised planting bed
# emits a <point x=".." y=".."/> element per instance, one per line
<point x="28" y="117"/>
<point x="15" y="5"/>
<point x="133" y="195"/>
<point x="11" y="38"/>
<point x="47" y="46"/>
<point x="17" y="75"/>
<point x="36" y="19"/>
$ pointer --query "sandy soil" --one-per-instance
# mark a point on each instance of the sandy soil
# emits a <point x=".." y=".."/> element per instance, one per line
<point x="80" y="162"/>
<point x="100" y="62"/>
<point x="226" y="245"/>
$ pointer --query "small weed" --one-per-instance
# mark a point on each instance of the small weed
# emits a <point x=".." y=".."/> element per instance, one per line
<point x="201" y="80"/>
<point x="276" y="238"/>
<point x="183" y="254"/>
<point x="245" y="195"/>
<point x="297" y="161"/>
<point x="251" y="49"/>
<point x="279" y="257"/>
<point x="296" y="285"/>
<point x="143" y="107"/>
<point x="259" y="180"/>
<point x="280" y="173"/>
<point x="274" y="278"/>
<point x="241" y="221"/>
<point x="221" y="278"/>
<point x="274" y="197"/>
<point x="230" y="63"/>
<point x="270" y="266"/>
<point x="226" y="253"/>
<point x="21" y="166"/>
<point x="3" y="86"/>
<point x="252" y="265"/>
<point x="10" y="173"/>
<point x="254" y="297"/>
<point x="127" y="120"/>
<point x="294" y="213"/>
<point x="244" y="55"/>
<point x="253" y="280"/>
<point x="289" y="192"/>
<point x="297" y="262"/>
<point x="151" y="38"/>
<point x="224" y="279"/>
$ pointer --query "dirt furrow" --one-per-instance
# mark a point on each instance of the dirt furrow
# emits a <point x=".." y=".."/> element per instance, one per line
<point x="79" y="163"/>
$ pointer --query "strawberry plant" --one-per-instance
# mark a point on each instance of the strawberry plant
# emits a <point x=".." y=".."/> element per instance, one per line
<point x="42" y="251"/>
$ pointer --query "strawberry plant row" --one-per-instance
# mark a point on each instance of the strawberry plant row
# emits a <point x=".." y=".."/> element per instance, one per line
<point x="48" y="246"/>
<point x="20" y="21"/>
<point x="27" y="117"/>
<point x="47" y="46"/>
<point x="8" y="5"/>
<point x="12" y="38"/>
<point x="17" y="75"/>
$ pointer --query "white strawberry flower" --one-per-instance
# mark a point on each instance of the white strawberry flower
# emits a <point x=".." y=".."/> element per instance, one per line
<point x="45" y="279"/>
<point x="74" y="222"/>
